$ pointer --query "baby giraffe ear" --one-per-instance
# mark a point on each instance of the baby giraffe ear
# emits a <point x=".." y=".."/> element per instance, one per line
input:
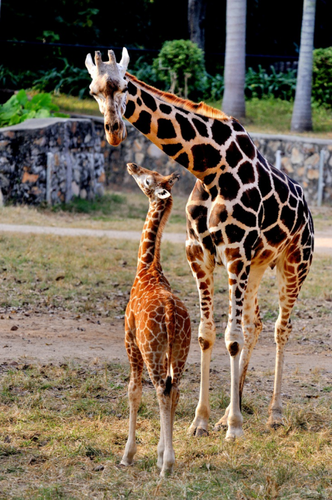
<point x="173" y="178"/>
<point x="162" y="193"/>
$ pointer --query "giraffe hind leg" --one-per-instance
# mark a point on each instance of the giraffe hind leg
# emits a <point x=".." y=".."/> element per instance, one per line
<point x="134" y="395"/>
<point x="291" y="272"/>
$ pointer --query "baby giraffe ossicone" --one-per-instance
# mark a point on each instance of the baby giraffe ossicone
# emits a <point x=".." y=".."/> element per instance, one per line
<point x="157" y="324"/>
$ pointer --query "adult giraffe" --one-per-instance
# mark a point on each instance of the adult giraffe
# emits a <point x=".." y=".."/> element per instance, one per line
<point x="242" y="214"/>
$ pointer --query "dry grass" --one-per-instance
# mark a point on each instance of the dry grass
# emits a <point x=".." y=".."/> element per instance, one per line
<point x="121" y="215"/>
<point x="63" y="431"/>
<point x="96" y="274"/>
<point x="63" y="428"/>
<point x="114" y="212"/>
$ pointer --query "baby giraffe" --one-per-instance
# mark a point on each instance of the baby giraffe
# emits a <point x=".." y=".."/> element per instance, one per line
<point x="157" y="323"/>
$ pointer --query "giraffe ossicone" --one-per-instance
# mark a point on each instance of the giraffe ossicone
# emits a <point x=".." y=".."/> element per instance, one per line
<point x="242" y="214"/>
<point x="157" y="323"/>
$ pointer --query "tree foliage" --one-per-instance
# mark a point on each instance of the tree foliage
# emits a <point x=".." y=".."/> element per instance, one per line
<point x="181" y="63"/>
<point x="20" y="108"/>
<point x="322" y="76"/>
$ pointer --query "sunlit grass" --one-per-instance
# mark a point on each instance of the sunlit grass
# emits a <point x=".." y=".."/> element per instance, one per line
<point x="112" y="211"/>
<point x="273" y="116"/>
<point x="262" y="115"/>
<point x="86" y="106"/>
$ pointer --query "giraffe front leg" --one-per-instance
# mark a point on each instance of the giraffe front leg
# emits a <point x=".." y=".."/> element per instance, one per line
<point x="202" y="265"/>
<point x="289" y="286"/>
<point x="252" y="327"/>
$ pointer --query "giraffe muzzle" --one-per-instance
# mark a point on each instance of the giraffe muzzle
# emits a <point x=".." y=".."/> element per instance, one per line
<point x="115" y="133"/>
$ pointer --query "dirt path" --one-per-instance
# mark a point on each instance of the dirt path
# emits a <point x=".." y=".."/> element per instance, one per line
<point x="323" y="241"/>
<point x="30" y="336"/>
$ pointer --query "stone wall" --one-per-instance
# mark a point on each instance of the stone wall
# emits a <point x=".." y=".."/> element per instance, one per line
<point x="53" y="159"/>
<point x="299" y="158"/>
<point x="50" y="160"/>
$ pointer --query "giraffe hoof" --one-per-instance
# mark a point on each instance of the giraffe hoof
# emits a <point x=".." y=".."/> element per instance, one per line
<point x="220" y="426"/>
<point x="199" y="431"/>
<point x="122" y="465"/>
<point x="233" y="434"/>
<point x="274" y="422"/>
<point x="275" y="425"/>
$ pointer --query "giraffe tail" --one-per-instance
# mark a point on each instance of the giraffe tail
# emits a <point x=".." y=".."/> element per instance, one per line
<point x="170" y="328"/>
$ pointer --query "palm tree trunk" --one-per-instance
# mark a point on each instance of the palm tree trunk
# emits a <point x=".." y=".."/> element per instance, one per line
<point x="196" y="21"/>
<point x="302" y="116"/>
<point x="234" y="74"/>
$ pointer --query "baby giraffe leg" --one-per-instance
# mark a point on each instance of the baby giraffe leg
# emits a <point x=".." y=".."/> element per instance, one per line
<point x="167" y="405"/>
<point x="134" y="395"/>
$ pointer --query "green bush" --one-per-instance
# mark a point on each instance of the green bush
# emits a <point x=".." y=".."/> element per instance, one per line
<point x="68" y="80"/>
<point x="19" y="108"/>
<point x="322" y="77"/>
<point x="181" y="58"/>
<point x="146" y="73"/>
<point x="15" y="81"/>
<point x="215" y="88"/>
<point x="263" y="84"/>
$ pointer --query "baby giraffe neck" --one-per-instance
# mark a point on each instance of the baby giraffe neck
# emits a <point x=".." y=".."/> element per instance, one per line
<point x="149" y="251"/>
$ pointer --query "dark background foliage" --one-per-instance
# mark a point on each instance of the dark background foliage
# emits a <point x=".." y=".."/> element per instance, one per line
<point x="273" y="29"/>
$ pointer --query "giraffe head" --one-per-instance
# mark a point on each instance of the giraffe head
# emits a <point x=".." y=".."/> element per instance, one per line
<point x="153" y="185"/>
<point x="109" y="88"/>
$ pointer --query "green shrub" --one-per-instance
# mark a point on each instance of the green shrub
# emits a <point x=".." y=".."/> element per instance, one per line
<point x="68" y="80"/>
<point x="15" y="81"/>
<point x="322" y="76"/>
<point x="19" y="108"/>
<point x="146" y="73"/>
<point x="215" y="88"/>
<point x="181" y="58"/>
<point x="270" y="84"/>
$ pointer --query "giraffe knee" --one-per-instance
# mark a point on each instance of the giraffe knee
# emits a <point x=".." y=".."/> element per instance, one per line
<point x="282" y="331"/>
<point x="204" y="343"/>
<point x="233" y="348"/>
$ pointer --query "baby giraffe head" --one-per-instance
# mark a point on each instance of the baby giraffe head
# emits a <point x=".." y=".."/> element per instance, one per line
<point x="109" y="88"/>
<point x="153" y="185"/>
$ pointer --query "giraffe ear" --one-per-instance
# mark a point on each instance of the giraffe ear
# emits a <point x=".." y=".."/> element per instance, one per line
<point x="89" y="65"/>
<point x="162" y="193"/>
<point x="173" y="178"/>
<point x="123" y="64"/>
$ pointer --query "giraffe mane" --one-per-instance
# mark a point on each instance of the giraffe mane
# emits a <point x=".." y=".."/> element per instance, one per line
<point x="200" y="108"/>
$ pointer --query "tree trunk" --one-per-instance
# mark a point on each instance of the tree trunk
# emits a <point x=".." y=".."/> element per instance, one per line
<point x="302" y="116"/>
<point x="234" y="75"/>
<point x="196" y="21"/>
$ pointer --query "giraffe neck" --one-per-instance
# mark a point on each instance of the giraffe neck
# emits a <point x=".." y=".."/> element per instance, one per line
<point x="149" y="250"/>
<point x="197" y="136"/>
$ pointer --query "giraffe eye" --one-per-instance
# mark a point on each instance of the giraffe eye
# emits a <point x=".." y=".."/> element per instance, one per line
<point x="147" y="182"/>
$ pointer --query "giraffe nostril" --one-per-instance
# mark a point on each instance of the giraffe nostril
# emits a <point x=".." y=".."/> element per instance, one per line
<point x="115" y="127"/>
<point x="107" y="127"/>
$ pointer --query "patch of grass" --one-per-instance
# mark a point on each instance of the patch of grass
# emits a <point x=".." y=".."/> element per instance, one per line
<point x="59" y="453"/>
<point x="111" y="211"/>
<point x="273" y="116"/>
<point x="267" y="115"/>
<point x="96" y="274"/>
<point x="72" y="104"/>
<point x="104" y="205"/>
